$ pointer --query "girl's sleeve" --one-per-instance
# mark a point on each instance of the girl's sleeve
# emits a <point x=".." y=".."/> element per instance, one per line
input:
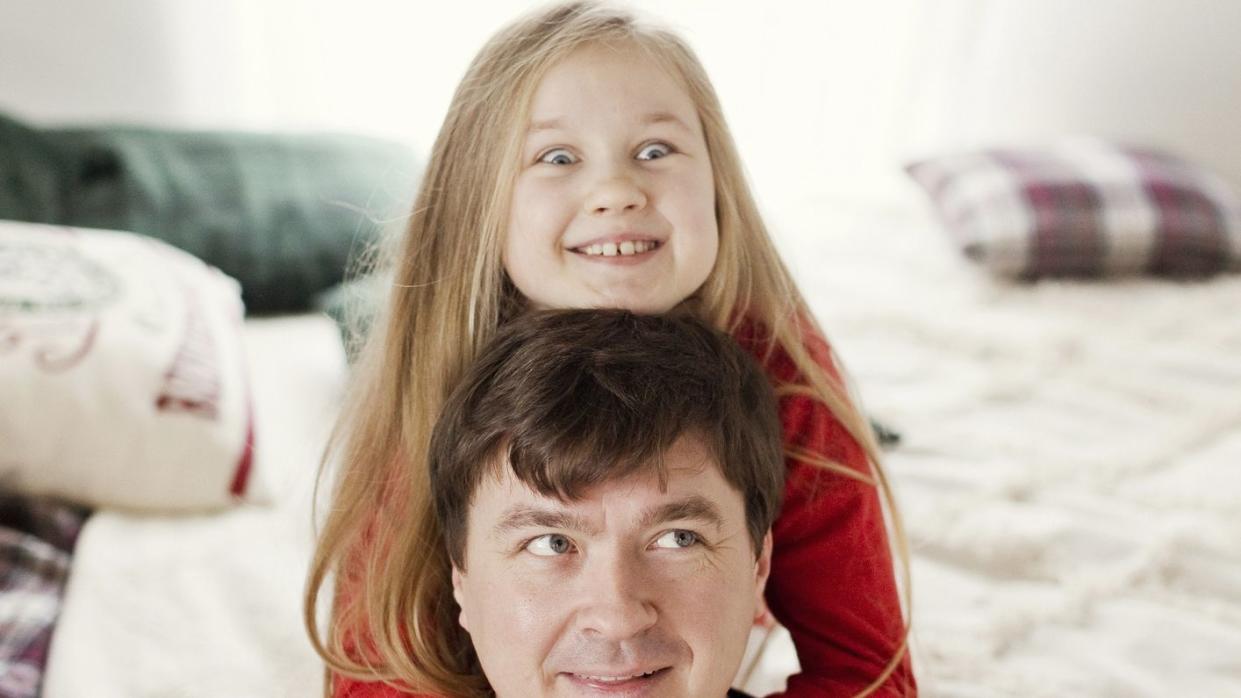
<point x="832" y="583"/>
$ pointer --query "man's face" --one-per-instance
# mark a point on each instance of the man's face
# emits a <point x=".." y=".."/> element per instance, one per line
<point x="630" y="591"/>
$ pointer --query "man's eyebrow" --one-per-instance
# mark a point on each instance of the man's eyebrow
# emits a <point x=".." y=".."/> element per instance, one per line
<point x="691" y="508"/>
<point x="521" y="516"/>
<point x="659" y="117"/>
<point x="694" y="507"/>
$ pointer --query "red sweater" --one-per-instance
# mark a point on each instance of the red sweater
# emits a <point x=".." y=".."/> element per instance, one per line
<point x="832" y="583"/>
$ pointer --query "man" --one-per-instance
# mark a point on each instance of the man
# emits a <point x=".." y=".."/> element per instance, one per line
<point x="606" y="484"/>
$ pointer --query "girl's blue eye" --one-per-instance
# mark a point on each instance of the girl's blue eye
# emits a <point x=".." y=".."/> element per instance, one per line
<point x="550" y="545"/>
<point x="654" y="151"/>
<point x="557" y="156"/>
<point x="677" y="539"/>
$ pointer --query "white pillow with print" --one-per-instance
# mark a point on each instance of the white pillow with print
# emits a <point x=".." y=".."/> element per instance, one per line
<point x="122" y="373"/>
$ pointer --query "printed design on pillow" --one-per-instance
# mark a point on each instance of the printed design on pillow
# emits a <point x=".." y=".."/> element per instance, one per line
<point x="43" y="278"/>
<point x="245" y="462"/>
<point x="53" y="295"/>
<point x="56" y="346"/>
<point x="135" y="349"/>
<point x="192" y="382"/>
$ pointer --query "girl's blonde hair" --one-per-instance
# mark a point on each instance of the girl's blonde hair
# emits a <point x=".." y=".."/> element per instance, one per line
<point x="394" y="617"/>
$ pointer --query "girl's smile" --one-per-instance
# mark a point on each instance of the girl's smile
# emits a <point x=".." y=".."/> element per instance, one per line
<point x="614" y="203"/>
<point x="626" y="248"/>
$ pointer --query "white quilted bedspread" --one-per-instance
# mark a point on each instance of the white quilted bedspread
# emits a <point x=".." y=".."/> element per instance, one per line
<point x="1070" y="472"/>
<point x="1070" y="478"/>
<point x="210" y="606"/>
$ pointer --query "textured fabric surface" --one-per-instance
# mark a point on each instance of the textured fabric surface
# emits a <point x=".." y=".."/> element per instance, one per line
<point x="31" y="172"/>
<point x="1067" y="473"/>
<point x="281" y="213"/>
<point x="209" y="606"/>
<point x="1068" y="468"/>
<point x="353" y="305"/>
<point x="36" y="546"/>
<point x="1085" y="208"/>
<point x="122" y="373"/>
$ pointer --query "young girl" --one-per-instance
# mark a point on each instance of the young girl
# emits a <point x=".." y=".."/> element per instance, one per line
<point x="585" y="162"/>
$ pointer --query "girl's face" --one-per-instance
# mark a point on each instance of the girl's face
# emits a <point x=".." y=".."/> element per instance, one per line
<point x="614" y="203"/>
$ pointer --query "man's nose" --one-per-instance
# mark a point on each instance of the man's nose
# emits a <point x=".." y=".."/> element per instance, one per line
<point x="617" y="602"/>
<point x="615" y="191"/>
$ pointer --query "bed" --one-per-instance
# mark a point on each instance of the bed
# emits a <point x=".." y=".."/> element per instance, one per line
<point x="1067" y="473"/>
<point x="210" y="605"/>
<point x="1069" y="463"/>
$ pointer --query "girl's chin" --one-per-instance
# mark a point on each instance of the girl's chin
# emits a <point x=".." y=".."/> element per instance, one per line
<point x="637" y="305"/>
<point x="634" y="302"/>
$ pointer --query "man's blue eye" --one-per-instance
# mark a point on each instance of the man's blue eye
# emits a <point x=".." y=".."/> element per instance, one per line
<point x="559" y="156"/>
<point x="677" y="539"/>
<point x="654" y="151"/>
<point x="550" y="545"/>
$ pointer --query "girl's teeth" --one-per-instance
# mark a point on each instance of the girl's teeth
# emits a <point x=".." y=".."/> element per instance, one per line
<point x="624" y="249"/>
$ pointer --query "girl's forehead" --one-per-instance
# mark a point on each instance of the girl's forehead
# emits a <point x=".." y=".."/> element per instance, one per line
<point x="612" y="79"/>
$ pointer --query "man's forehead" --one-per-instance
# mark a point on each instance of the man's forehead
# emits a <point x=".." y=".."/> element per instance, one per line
<point x="687" y="459"/>
<point x="664" y="477"/>
<point x="694" y="490"/>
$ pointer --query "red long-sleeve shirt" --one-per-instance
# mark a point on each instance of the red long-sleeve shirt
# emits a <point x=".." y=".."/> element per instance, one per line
<point x="832" y="583"/>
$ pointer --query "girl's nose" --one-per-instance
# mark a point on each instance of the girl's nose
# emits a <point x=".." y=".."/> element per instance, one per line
<point x="616" y="194"/>
<point x="617" y="604"/>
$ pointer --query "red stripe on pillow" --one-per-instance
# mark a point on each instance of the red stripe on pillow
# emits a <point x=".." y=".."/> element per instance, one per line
<point x="241" y="475"/>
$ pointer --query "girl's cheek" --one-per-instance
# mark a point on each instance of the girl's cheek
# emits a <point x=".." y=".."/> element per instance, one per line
<point x="539" y="204"/>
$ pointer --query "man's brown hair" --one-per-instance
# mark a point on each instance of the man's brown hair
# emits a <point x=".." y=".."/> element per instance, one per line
<point x="573" y="398"/>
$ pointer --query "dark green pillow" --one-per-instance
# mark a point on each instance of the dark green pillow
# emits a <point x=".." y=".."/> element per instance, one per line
<point x="353" y="305"/>
<point x="31" y="172"/>
<point x="280" y="213"/>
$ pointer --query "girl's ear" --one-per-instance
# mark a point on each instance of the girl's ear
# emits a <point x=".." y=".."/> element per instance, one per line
<point x="459" y="595"/>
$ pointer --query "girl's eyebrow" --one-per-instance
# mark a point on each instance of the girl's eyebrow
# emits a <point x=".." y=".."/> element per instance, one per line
<point x="658" y="117"/>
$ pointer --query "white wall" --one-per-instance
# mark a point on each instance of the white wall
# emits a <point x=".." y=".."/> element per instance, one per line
<point x="811" y="88"/>
<point x="824" y="97"/>
<point x="1157" y="72"/>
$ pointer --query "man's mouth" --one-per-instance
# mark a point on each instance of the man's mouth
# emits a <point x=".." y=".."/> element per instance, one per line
<point x="618" y="683"/>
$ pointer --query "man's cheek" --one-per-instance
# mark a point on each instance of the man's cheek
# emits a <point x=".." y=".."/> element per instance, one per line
<point x="522" y="604"/>
<point x="538" y="606"/>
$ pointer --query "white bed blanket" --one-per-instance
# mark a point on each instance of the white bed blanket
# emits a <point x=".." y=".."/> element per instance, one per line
<point x="210" y="606"/>
<point x="1070" y="477"/>
<point x="1070" y="472"/>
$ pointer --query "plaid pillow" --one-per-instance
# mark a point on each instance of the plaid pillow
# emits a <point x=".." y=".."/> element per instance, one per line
<point x="1085" y="208"/>
<point x="36" y="542"/>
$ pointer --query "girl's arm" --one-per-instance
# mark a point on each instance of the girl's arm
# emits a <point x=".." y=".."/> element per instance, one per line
<point x="832" y="582"/>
